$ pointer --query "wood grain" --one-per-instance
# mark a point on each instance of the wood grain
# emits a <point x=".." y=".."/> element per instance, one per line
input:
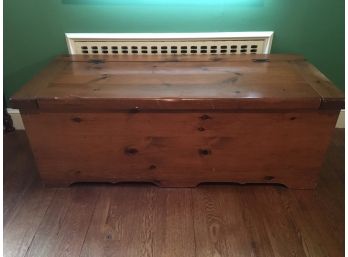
<point x="25" y="220"/>
<point x="65" y="224"/>
<point x="279" y="226"/>
<point x="187" y="83"/>
<point x="152" y="212"/>
<point x="219" y="233"/>
<point x="180" y="149"/>
<point x="113" y="119"/>
<point x="143" y="220"/>
<point x="109" y="233"/>
<point x="17" y="180"/>
<point x="181" y="58"/>
<point x="25" y="98"/>
<point x="332" y="97"/>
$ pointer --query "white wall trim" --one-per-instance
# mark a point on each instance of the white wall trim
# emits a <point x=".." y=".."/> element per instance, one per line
<point x="16" y="118"/>
<point x="18" y="123"/>
<point x="159" y="36"/>
<point x="73" y="39"/>
<point x="341" y="120"/>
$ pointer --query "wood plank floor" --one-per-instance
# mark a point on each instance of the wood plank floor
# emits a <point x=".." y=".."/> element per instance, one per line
<point x="131" y="220"/>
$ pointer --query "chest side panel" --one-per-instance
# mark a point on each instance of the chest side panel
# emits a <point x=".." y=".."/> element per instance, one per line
<point x="179" y="146"/>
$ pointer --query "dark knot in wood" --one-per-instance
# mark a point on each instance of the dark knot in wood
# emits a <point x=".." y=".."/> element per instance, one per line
<point x="268" y="178"/>
<point x="261" y="60"/>
<point x="130" y="151"/>
<point x="76" y="119"/>
<point x="136" y="109"/>
<point x="96" y="61"/>
<point x="204" y="151"/>
<point x="205" y="117"/>
<point x="201" y="129"/>
<point x="152" y="167"/>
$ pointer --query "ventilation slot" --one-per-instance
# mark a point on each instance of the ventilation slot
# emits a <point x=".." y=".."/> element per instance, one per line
<point x="235" y="48"/>
<point x="170" y="44"/>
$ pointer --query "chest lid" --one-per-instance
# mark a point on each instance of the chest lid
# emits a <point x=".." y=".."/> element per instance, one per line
<point x="201" y="82"/>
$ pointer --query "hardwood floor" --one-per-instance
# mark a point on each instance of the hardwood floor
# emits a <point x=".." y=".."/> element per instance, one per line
<point x="100" y="220"/>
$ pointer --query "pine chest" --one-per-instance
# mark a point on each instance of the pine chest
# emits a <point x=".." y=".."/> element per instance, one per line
<point x="178" y="121"/>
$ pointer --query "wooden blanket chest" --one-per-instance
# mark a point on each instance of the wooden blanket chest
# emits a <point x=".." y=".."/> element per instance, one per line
<point x="178" y="121"/>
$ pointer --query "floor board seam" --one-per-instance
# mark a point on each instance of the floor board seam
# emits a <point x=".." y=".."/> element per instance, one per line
<point x="43" y="216"/>
<point x="20" y="197"/>
<point x="312" y="220"/>
<point x="90" y="222"/>
<point x="193" y="222"/>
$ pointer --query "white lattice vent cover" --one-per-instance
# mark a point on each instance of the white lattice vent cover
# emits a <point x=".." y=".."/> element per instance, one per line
<point x="170" y="43"/>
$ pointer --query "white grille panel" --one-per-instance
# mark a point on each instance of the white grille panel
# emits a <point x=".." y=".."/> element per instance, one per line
<point x="170" y="44"/>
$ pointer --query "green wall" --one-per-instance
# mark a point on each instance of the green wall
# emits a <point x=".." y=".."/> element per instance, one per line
<point x="34" y="29"/>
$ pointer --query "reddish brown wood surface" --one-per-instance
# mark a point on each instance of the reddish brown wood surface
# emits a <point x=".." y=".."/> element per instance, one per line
<point x="180" y="149"/>
<point x="177" y="83"/>
<point x="182" y="58"/>
<point x="331" y="96"/>
<point x="181" y="120"/>
<point x="96" y="220"/>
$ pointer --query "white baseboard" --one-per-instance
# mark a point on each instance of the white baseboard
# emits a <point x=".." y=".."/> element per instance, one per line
<point x="16" y="118"/>
<point x="18" y="123"/>
<point x="340" y="121"/>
